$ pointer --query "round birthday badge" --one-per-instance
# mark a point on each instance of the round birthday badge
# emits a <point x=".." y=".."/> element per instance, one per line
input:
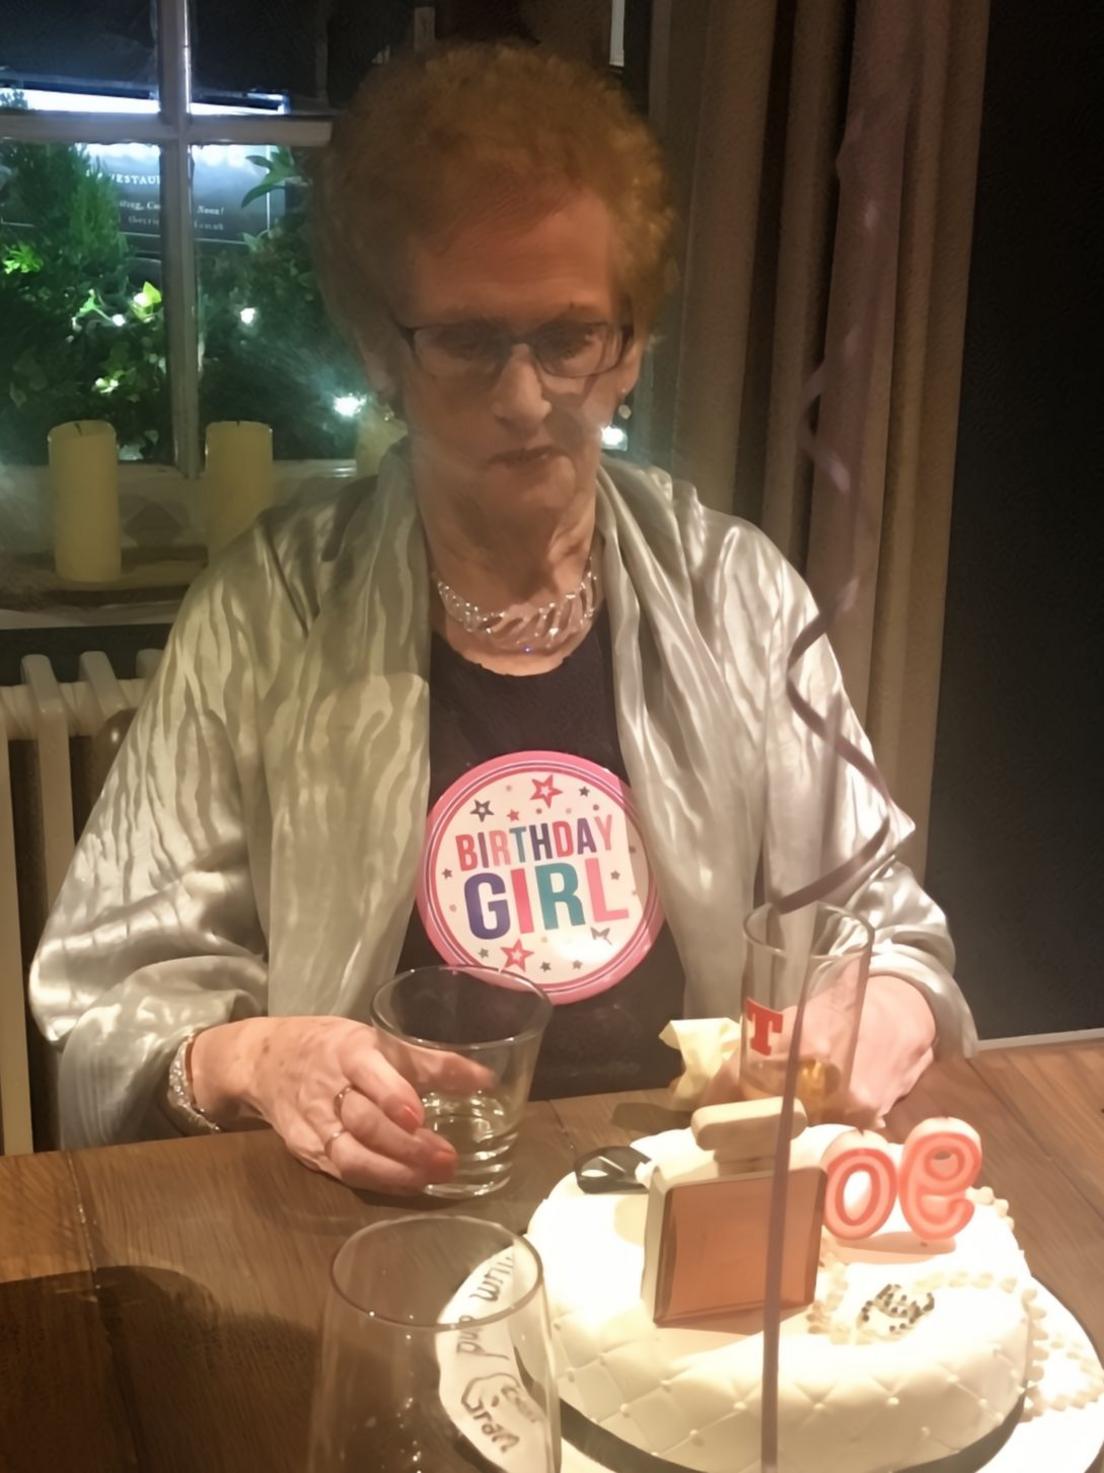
<point x="535" y="863"/>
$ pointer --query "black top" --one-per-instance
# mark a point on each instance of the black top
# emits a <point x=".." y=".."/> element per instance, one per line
<point x="608" y="1041"/>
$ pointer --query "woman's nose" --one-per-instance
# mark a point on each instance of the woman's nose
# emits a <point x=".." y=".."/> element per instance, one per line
<point x="519" y="395"/>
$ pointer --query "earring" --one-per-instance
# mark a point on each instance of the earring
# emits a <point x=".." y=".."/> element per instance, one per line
<point x="624" y="411"/>
<point x="389" y="407"/>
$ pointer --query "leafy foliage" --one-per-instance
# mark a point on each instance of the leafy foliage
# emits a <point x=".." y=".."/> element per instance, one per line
<point x="74" y="343"/>
<point x="82" y="331"/>
<point x="282" y="363"/>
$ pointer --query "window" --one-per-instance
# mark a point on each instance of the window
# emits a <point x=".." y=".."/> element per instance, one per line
<point x="82" y="333"/>
<point x="142" y="235"/>
<point x="269" y="352"/>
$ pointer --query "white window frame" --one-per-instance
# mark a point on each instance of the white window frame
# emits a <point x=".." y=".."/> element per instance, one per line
<point x="175" y="127"/>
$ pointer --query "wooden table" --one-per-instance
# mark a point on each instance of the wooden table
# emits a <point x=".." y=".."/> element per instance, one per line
<point x="158" y="1302"/>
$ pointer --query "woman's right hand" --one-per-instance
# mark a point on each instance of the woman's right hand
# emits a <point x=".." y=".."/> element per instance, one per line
<point x="289" y="1072"/>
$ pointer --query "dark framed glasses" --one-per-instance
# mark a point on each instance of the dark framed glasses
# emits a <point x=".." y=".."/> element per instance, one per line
<point x="477" y="351"/>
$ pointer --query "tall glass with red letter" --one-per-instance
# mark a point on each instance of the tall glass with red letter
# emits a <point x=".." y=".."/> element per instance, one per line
<point x="831" y="948"/>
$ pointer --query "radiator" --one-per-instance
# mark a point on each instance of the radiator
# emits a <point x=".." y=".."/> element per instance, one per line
<point x="56" y="741"/>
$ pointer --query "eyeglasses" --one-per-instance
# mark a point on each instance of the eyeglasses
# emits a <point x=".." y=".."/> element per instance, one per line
<point x="477" y="351"/>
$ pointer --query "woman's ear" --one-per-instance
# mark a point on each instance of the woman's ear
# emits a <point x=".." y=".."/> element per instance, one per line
<point x="628" y="370"/>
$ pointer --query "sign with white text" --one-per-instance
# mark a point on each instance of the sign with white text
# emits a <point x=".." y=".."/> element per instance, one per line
<point x="535" y="863"/>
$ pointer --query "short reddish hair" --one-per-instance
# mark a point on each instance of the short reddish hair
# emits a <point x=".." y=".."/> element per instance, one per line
<point x="439" y="136"/>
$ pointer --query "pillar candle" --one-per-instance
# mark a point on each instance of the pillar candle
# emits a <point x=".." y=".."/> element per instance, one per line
<point x="84" y="477"/>
<point x="239" y="480"/>
<point x="375" y="437"/>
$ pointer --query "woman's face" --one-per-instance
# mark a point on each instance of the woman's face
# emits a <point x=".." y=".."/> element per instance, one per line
<point x="521" y="444"/>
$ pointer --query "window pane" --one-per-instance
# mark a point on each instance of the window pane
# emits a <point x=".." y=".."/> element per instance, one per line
<point x="268" y="351"/>
<point x="46" y="45"/>
<point x="308" y="56"/>
<point x="81" y="322"/>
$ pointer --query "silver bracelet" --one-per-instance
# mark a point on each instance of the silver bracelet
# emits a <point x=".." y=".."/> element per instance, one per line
<point x="179" y="1097"/>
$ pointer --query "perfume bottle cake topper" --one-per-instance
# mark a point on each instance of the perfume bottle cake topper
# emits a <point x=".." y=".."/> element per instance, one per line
<point x="708" y="1222"/>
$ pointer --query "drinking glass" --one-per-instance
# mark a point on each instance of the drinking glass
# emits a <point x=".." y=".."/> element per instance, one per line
<point x="424" y="1018"/>
<point x="832" y="948"/>
<point x="435" y="1353"/>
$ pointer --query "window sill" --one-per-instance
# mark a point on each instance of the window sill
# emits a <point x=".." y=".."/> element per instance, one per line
<point x="162" y="521"/>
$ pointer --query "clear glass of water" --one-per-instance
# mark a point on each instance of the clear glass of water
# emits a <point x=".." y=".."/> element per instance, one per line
<point x="435" y="1353"/>
<point x="427" y="1017"/>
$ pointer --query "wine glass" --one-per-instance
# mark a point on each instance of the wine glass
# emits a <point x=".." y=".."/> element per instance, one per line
<point x="435" y="1353"/>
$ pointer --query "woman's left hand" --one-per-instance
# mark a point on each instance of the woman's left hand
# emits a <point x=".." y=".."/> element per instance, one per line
<point x="894" y="1047"/>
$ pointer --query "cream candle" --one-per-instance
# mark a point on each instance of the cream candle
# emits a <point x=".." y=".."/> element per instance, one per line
<point x="84" y="479"/>
<point x="238" y="484"/>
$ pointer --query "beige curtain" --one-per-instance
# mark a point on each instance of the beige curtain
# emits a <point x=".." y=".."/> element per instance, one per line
<point x="752" y="99"/>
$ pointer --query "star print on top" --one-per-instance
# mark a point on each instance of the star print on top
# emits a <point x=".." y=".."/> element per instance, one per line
<point x="562" y="893"/>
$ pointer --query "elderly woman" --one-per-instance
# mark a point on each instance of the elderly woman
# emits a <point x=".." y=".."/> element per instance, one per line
<point x="495" y="232"/>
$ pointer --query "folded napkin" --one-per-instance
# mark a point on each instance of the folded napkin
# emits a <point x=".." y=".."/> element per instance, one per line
<point x="705" y="1044"/>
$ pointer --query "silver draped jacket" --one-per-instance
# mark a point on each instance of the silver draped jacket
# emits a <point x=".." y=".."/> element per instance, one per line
<point x="255" y="847"/>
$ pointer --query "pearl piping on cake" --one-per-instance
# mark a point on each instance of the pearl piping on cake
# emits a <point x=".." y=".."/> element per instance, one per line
<point x="821" y="1321"/>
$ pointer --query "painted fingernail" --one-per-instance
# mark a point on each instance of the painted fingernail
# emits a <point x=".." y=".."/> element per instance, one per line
<point x="407" y="1117"/>
<point x="441" y="1166"/>
<point x="433" y="1146"/>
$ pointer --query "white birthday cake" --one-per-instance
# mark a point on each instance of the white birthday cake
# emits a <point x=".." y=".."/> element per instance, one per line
<point x="909" y="1355"/>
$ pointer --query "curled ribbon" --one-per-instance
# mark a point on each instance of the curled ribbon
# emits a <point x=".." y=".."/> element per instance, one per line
<point x="874" y="132"/>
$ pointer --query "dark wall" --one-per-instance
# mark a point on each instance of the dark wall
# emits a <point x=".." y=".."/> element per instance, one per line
<point x="64" y="647"/>
<point x="1017" y="834"/>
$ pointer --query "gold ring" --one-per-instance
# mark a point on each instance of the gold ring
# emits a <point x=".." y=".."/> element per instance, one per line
<point x="339" y="1098"/>
<point x="327" y="1144"/>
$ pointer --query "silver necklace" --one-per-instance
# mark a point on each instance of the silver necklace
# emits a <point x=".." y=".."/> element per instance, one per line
<point x="529" y="629"/>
